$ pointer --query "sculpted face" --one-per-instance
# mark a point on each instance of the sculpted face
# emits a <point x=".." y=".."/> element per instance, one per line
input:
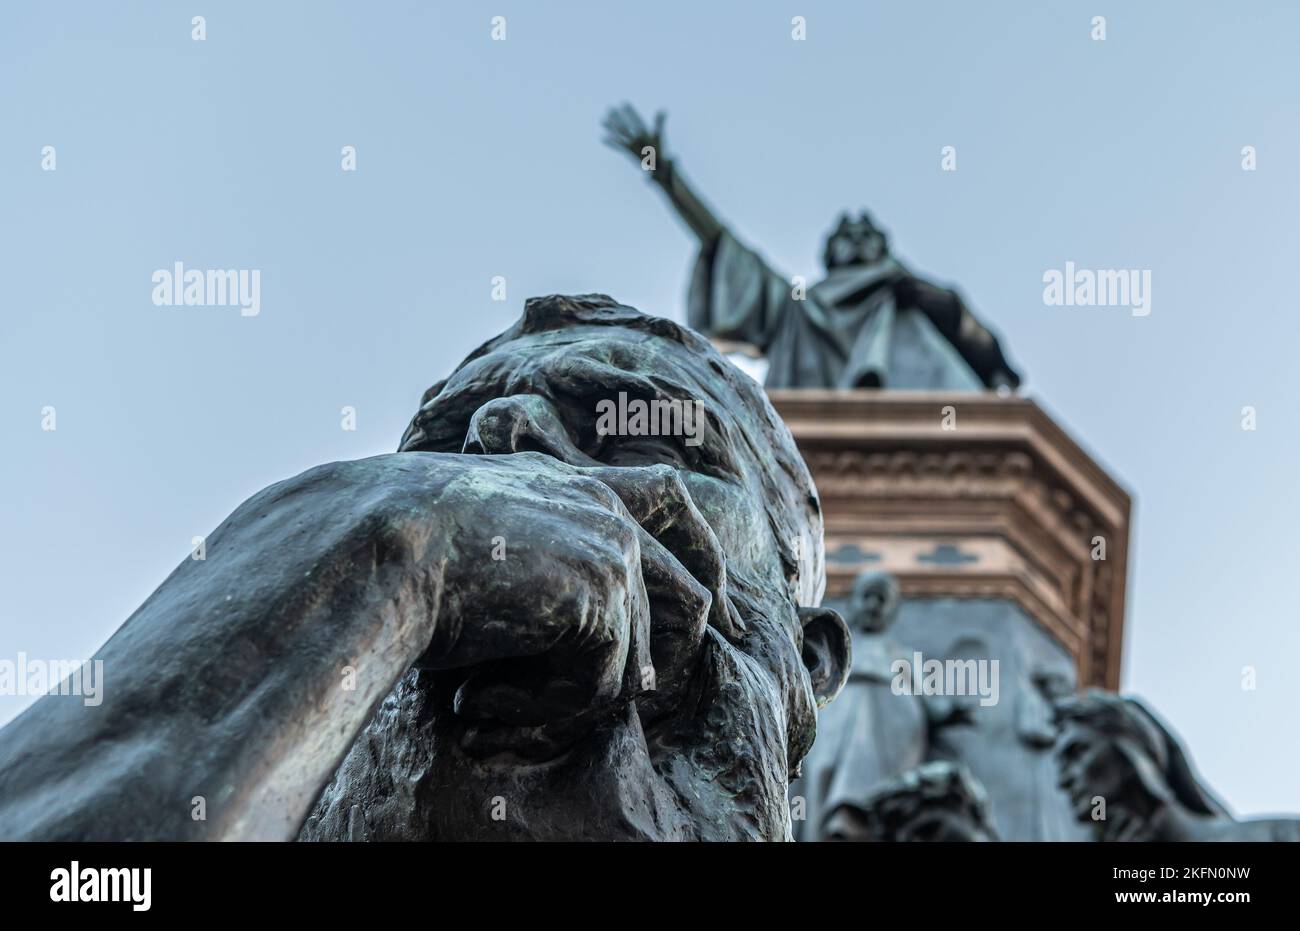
<point x="1116" y="748"/>
<point x="1091" y="767"/>
<point x="874" y="602"/>
<point x="726" y="714"/>
<point x="855" y="242"/>
<point x="1113" y="748"/>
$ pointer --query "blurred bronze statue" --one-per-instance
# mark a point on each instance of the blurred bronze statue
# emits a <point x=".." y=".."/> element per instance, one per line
<point x="872" y="735"/>
<point x="1129" y="778"/>
<point x="870" y="323"/>
<point x="934" y="802"/>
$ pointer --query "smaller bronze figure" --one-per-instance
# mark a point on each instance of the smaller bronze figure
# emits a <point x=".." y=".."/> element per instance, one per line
<point x="937" y="801"/>
<point x="873" y="734"/>
<point x="1128" y="777"/>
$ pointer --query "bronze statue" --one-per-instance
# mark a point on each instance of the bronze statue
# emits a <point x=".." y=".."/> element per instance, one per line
<point x="870" y="735"/>
<point x="933" y="802"/>
<point x="521" y="626"/>
<point x="1128" y="777"/>
<point x="869" y="323"/>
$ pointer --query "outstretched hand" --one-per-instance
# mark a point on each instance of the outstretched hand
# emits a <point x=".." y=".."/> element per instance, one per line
<point x="627" y="132"/>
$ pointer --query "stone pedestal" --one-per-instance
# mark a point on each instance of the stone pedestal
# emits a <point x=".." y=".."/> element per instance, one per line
<point x="971" y="496"/>
<point x="995" y="523"/>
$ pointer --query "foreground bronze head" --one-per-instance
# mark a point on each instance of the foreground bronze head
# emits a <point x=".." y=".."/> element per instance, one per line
<point x="570" y="627"/>
<point x="703" y="744"/>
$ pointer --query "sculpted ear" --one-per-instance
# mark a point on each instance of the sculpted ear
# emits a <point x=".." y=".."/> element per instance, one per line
<point x="827" y="652"/>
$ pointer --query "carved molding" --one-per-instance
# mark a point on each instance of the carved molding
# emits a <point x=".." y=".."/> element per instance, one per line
<point x="890" y="474"/>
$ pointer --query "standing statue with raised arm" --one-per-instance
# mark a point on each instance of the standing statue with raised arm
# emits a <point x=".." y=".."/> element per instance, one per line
<point x="870" y="323"/>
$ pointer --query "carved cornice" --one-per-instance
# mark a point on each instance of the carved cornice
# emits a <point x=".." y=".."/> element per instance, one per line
<point x="993" y="474"/>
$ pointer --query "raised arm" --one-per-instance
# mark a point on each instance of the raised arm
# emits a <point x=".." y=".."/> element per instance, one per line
<point x="736" y="298"/>
<point x="627" y="132"/>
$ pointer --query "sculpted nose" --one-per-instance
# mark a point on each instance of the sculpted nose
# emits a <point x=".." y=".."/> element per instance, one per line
<point x="522" y="423"/>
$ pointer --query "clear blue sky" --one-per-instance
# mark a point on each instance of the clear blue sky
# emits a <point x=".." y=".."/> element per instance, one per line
<point x="479" y="158"/>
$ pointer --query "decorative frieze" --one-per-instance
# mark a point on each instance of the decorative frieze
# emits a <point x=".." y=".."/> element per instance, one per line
<point x="971" y="496"/>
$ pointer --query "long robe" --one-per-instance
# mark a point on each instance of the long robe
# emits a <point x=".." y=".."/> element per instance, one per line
<point x="850" y="330"/>
<point x="866" y="737"/>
